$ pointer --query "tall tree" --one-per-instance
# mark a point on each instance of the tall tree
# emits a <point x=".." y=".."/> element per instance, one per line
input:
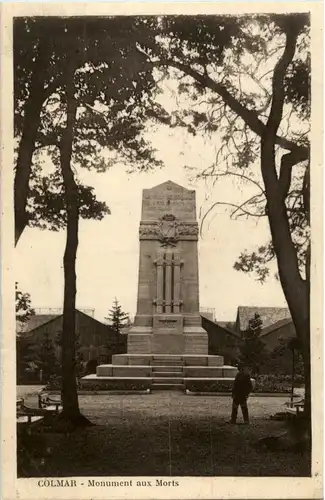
<point x="26" y="355"/>
<point x="47" y="360"/>
<point x="117" y="317"/>
<point x="27" y="358"/>
<point x="248" y="78"/>
<point x="108" y="72"/>
<point x="69" y="381"/>
<point x="100" y="87"/>
<point x="253" y="349"/>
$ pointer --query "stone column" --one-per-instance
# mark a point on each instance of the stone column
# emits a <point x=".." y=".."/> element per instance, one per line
<point x="168" y="284"/>
<point x="160" y="262"/>
<point x="177" y="282"/>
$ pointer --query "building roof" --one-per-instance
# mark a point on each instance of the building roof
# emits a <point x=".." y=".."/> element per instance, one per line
<point x="217" y="324"/>
<point x="229" y="325"/>
<point x="34" y="322"/>
<point x="38" y="320"/>
<point x="276" y="326"/>
<point x="207" y="314"/>
<point x="269" y="315"/>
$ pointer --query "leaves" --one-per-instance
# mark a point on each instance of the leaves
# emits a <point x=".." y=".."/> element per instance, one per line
<point x="47" y="203"/>
<point x="253" y="351"/>
<point x="24" y="308"/>
<point x="113" y="82"/>
<point x="256" y="262"/>
<point x="47" y="357"/>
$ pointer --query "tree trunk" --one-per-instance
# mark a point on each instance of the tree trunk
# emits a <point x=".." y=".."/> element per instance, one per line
<point x="32" y="112"/>
<point x="71" y="410"/>
<point x="69" y="383"/>
<point x="296" y="290"/>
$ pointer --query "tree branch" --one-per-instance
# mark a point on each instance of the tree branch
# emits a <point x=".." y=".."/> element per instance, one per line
<point x="236" y="174"/>
<point x="31" y="121"/>
<point x="280" y="69"/>
<point x="306" y="192"/>
<point x="288" y="160"/>
<point x="250" y="117"/>
<point x="237" y="207"/>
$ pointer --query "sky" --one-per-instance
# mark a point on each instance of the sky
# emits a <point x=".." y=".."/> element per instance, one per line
<point x="108" y="254"/>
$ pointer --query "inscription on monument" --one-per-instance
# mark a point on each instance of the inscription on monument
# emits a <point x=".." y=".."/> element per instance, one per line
<point x="167" y="323"/>
<point x="168" y="198"/>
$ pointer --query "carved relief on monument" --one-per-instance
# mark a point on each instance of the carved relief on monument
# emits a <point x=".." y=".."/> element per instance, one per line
<point x="184" y="229"/>
<point x="168" y="230"/>
<point x="167" y="233"/>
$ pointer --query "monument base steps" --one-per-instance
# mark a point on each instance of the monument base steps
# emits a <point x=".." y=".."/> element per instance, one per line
<point x="169" y="375"/>
<point x="172" y="372"/>
<point x="162" y="357"/>
<point x="167" y="369"/>
<point x="166" y="363"/>
<point x="167" y="359"/>
<point x="167" y="387"/>
<point x="167" y="380"/>
<point x="162" y="372"/>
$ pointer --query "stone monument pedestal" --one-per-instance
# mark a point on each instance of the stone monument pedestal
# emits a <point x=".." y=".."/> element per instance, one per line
<point x="167" y="345"/>
<point x="162" y="371"/>
<point x="169" y="334"/>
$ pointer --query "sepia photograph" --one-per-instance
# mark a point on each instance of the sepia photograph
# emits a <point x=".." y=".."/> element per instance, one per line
<point x="163" y="228"/>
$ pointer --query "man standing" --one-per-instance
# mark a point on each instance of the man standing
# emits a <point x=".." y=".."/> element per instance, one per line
<point x="240" y="392"/>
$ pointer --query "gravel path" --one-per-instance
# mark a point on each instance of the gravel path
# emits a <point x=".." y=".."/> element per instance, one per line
<point x="164" y="434"/>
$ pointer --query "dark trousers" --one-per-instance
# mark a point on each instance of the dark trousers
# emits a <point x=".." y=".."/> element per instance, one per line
<point x="242" y="402"/>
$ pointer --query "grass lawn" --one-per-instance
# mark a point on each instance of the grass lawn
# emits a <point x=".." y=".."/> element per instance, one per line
<point x="163" y="434"/>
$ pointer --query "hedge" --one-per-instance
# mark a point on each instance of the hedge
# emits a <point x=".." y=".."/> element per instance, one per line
<point x="117" y="385"/>
<point x="263" y="383"/>
<point x="276" y="383"/>
<point x="106" y="385"/>
<point x="208" y="386"/>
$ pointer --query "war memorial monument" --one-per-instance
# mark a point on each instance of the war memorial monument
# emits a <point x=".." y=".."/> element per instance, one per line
<point x="166" y="346"/>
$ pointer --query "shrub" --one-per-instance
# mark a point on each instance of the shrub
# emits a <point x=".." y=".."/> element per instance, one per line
<point x="117" y="385"/>
<point x="54" y="383"/>
<point x="209" y="386"/>
<point x="263" y="383"/>
<point x="276" y="383"/>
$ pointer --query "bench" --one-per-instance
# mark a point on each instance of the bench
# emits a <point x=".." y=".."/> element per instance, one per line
<point x="48" y="404"/>
<point x="26" y="418"/>
<point x="295" y="408"/>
